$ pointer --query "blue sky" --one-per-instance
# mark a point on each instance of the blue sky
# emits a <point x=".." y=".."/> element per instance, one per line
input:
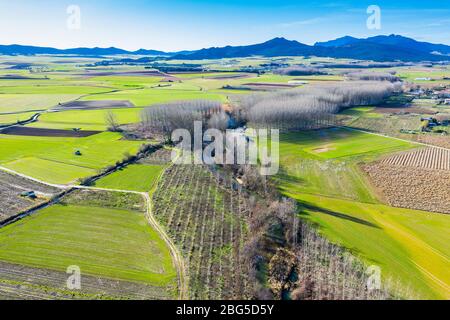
<point x="194" y="24"/>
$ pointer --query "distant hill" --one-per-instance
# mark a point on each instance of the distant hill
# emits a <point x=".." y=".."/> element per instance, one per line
<point x="344" y="41"/>
<point x="32" y="50"/>
<point x="392" y="40"/>
<point x="379" y="48"/>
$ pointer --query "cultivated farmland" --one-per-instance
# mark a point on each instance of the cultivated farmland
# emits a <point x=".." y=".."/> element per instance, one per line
<point x="137" y="177"/>
<point x="412" y="187"/>
<point x="113" y="242"/>
<point x="429" y="158"/>
<point x="359" y="225"/>
<point x="207" y="221"/>
<point x="219" y="232"/>
<point x="13" y="202"/>
<point x="54" y="159"/>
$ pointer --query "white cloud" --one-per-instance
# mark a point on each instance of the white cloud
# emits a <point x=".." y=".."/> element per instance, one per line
<point x="300" y="23"/>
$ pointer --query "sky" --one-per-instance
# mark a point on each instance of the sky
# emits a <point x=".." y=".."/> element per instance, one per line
<point x="173" y="25"/>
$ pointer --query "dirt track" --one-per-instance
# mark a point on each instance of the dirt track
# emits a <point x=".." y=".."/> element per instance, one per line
<point x="176" y="255"/>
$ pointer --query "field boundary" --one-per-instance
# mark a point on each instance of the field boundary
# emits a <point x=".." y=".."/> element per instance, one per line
<point x="386" y="136"/>
<point x="176" y="256"/>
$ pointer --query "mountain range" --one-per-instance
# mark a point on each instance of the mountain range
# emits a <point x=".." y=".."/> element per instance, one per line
<point x="378" y="48"/>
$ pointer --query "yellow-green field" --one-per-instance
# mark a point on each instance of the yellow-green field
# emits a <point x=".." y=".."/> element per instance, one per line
<point x="138" y="177"/>
<point x="53" y="159"/>
<point x="113" y="243"/>
<point x="320" y="170"/>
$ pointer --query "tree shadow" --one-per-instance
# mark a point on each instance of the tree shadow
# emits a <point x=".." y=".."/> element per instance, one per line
<point x="312" y="207"/>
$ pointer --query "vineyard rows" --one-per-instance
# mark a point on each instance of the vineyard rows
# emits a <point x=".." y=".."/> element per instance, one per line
<point x="206" y="219"/>
<point x="428" y="158"/>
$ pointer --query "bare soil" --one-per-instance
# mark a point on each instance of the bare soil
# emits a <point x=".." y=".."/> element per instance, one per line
<point x="11" y="188"/>
<point x="275" y="85"/>
<point x="412" y="187"/>
<point x="234" y="76"/>
<point x="94" y="105"/>
<point x="41" y="132"/>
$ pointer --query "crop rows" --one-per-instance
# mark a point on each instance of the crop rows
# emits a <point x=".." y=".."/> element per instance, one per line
<point x="206" y="219"/>
<point x="21" y="282"/>
<point x="413" y="188"/>
<point x="159" y="157"/>
<point x="429" y="158"/>
<point x="11" y="188"/>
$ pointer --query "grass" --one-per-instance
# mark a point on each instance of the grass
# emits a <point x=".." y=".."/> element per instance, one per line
<point x="326" y="162"/>
<point x="50" y="171"/>
<point x="362" y="112"/>
<point x="13" y="103"/>
<point x="147" y="97"/>
<point x="320" y="170"/>
<point x="117" y="244"/>
<point x="58" y="88"/>
<point x="137" y="177"/>
<point x="435" y="74"/>
<point x="15" y="117"/>
<point x="38" y="156"/>
<point x="86" y="119"/>
<point x="409" y="245"/>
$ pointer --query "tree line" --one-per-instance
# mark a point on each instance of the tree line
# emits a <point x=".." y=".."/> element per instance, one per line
<point x="164" y="118"/>
<point x="299" y="71"/>
<point x="310" y="107"/>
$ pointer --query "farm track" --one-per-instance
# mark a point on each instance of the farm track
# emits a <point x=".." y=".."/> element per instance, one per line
<point x="390" y="137"/>
<point x="176" y="256"/>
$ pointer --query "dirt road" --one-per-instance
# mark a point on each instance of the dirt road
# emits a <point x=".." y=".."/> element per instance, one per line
<point x="176" y="255"/>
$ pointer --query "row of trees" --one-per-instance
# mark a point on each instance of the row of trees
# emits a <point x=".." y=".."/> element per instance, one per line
<point x="165" y="118"/>
<point x="313" y="107"/>
<point x="373" y="76"/>
<point x="302" y="264"/>
<point x="299" y="71"/>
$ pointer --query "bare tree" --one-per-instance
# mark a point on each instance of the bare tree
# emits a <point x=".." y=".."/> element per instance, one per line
<point x="219" y="121"/>
<point x="165" y="118"/>
<point x="112" y="122"/>
<point x="373" y="76"/>
<point x="312" y="107"/>
<point x="299" y="71"/>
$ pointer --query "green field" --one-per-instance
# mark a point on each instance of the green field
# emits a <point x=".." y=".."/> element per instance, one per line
<point x="14" y="118"/>
<point x="411" y="246"/>
<point x="117" y="244"/>
<point x="320" y="170"/>
<point x="138" y="177"/>
<point x="54" y="160"/>
<point x="86" y="119"/>
<point x="326" y="162"/>
<point x="13" y="103"/>
<point x="362" y="112"/>
<point x="147" y="97"/>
